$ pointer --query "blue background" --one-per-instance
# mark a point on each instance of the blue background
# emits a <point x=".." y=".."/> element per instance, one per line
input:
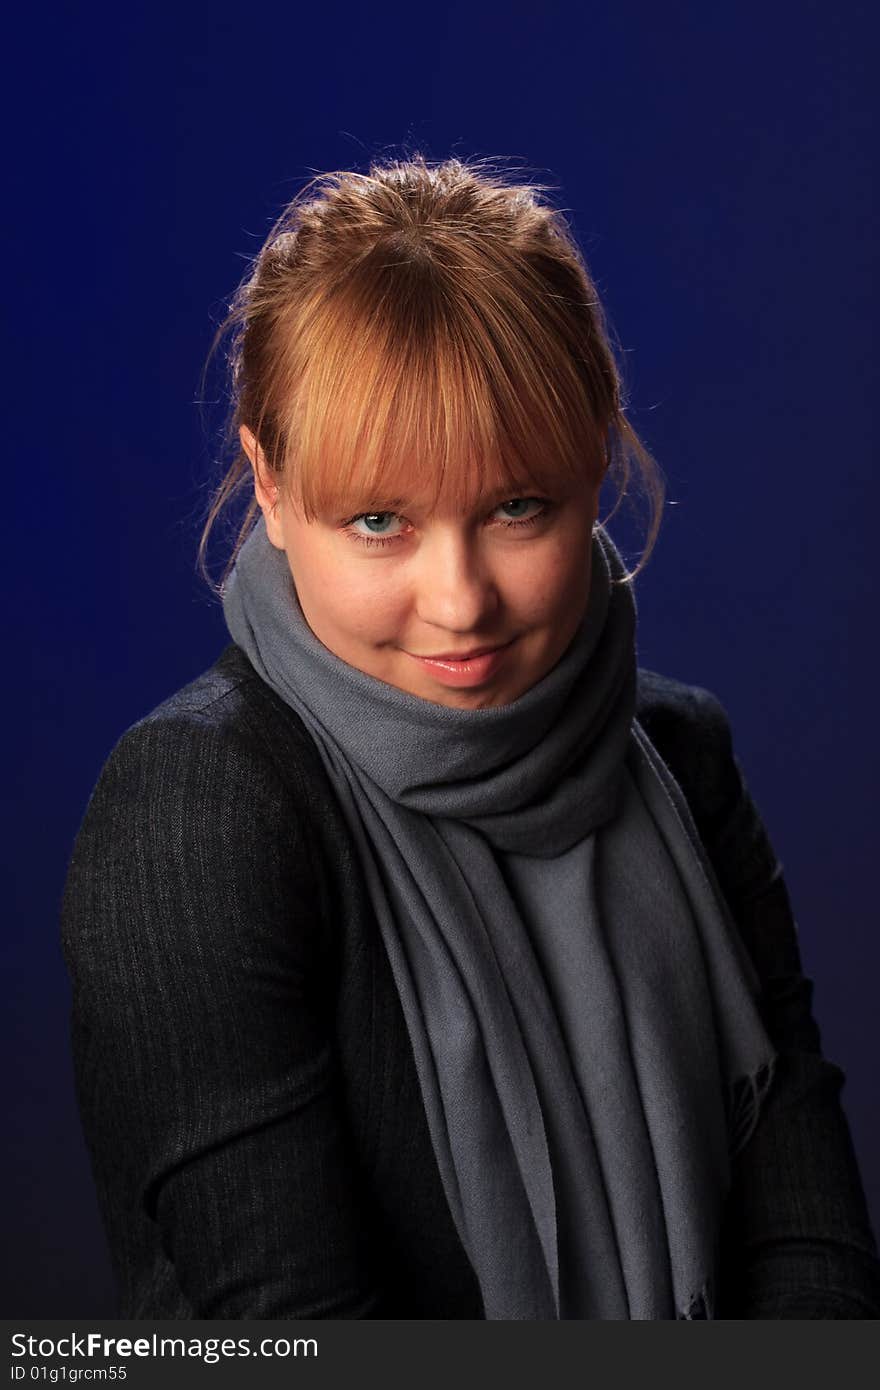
<point x="715" y="161"/>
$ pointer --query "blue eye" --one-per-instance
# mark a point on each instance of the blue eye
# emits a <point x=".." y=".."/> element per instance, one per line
<point x="383" y="537"/>
<point x="376" y="523"/>
<point x="371" y="517"/>
<point x="517" y="510"/>
<point x="377" y="527"/>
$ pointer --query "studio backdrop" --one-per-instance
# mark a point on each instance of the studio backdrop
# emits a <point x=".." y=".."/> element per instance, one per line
<point x="715" y="163"/>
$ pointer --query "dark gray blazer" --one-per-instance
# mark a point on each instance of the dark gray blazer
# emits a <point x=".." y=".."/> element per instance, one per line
<point x="246" y="1084"/>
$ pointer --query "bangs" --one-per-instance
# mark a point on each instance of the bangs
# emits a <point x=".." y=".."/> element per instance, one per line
<point x="419" y="399"/>
<point x="422" y="334"/>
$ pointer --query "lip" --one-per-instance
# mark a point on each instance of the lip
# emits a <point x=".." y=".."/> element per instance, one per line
<point x="477" y="666"/>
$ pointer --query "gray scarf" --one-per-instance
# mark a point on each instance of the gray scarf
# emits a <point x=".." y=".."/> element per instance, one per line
<point x="581" y="1010"/>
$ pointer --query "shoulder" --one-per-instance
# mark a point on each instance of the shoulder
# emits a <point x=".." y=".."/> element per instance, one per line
<point x="674" y="711"/>
<point x="226" y="724"/>
<point x="229" y="698"/>
<point x="202" y="811"/>
<point x="685" y="722"/>
<point x="195" y="857"/>
<point x="691" y="730"/>
<point x="219" y="765"/>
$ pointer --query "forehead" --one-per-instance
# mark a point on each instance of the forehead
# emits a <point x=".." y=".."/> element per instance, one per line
<point x="458" y="487"/>
<point x="448" y="501"/>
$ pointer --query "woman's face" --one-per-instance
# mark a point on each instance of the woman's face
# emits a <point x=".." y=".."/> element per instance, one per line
<point x="385" y="591"/>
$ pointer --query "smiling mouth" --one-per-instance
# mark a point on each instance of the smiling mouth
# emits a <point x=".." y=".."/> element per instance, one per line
<point x="461" y="656"/>
<point x="466" y="671"/>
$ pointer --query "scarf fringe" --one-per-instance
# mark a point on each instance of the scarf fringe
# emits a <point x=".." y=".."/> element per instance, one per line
<point x="701" y="1306"/>
<point x="746" y="1097"/>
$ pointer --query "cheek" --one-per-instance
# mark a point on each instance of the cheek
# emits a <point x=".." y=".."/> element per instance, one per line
<point x="552" y="585"/>
<point x="343" y="589"/>
<point x="363" y="601"/>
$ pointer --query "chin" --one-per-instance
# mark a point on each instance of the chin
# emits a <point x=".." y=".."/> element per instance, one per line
<point x="477" y="699"/>
<point x="484" y="697"/>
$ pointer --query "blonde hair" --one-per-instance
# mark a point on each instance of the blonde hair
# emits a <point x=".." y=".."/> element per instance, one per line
<point x="428" y="321"/>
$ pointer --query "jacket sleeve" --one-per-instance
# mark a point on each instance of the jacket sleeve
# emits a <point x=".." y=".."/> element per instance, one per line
<point x="797" y="1241"/>
<point x="201" y="1033"/>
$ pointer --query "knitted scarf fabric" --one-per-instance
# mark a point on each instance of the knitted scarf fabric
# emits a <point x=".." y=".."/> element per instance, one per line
<point x="581" y="1010"/>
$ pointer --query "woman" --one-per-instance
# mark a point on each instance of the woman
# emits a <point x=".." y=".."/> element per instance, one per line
<point x="430" y="959"/>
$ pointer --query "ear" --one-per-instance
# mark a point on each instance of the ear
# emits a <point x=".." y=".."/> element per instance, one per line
<point x="266" y="489"/>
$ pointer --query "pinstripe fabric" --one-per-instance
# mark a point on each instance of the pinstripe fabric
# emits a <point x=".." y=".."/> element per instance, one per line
<point x="246" y="1085"/>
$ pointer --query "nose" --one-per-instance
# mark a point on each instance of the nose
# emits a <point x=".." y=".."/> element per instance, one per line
<point x="455" y="589"/>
